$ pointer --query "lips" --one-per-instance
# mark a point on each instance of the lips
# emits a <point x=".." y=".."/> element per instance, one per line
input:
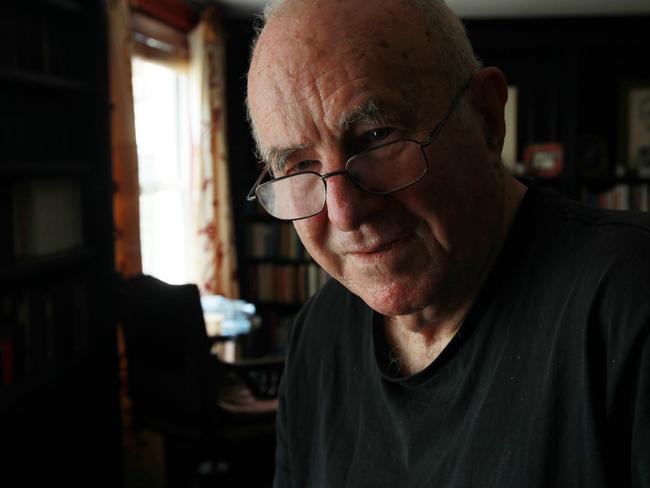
<point x="383" y="246"/>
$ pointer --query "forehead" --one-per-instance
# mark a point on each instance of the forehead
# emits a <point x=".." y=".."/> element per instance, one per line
<point x="302" y="76"/>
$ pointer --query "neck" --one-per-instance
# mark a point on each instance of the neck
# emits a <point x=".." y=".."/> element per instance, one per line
<point x="419" y="338"/>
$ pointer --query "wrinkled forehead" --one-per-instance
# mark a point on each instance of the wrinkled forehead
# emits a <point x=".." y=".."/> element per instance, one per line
<point x="306" y="61"/>
<point x="354" y="27"/>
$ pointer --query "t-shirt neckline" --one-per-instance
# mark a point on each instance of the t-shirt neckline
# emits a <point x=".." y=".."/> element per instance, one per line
<point x="514" y="244"/>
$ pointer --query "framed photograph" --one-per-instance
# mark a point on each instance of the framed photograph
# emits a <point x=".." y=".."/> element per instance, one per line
<point x="635" y="140"/>
<point x="544" y="160"/>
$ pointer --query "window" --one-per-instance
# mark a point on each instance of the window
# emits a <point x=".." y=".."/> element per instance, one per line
<point x="164" y="162"/>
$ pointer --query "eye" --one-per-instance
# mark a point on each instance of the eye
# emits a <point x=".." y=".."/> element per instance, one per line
<point x="306" y="165"/>
<point x="379" y="134"/>
<point x="376" y="136"/>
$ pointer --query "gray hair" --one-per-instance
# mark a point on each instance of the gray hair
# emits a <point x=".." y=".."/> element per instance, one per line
<point x="455" y="47"/>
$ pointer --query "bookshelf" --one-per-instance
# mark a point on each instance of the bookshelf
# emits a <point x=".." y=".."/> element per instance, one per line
<point x="569" y="79"/>
<point x="618" y="193"/>
<point x="279" y="275"/>
<point x="275" y="272"/>
<point x="60" y="419"/>
<point x="280" y="270"/>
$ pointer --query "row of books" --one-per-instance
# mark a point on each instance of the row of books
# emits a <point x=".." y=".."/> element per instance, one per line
<point x="43" y="43"/>
<point x="42" y="328"/>
<point x="47" y="217"/>
<point x="58" y="140"/>
<point x="279" y="327"/>
<point x="622" y="196"/>
<point x="274" y="240"/>
<point x="284" y="283"/>
<point x="40" y="217"/>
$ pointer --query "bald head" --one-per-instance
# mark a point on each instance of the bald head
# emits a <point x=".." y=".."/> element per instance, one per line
<point x="442" y="23"/>
<point x="331" y="81"/>
<point x="421" y="40"/>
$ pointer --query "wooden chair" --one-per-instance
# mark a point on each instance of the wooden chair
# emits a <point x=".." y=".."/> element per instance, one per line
<point x="204" y="409"/>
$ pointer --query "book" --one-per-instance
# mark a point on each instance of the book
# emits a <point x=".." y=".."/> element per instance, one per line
<point x="47" y="216"/>
<point x="6" y="342"/>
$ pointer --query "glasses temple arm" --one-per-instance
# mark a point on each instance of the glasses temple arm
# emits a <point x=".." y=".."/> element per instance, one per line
<point x="447" y="114"/>
<point x="251" y="194"/>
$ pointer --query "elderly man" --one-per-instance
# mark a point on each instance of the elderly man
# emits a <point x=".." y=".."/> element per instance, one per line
<point x="480" y="331"/>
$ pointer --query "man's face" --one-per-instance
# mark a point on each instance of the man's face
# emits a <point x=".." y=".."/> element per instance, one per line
<point x="399" y="252"/>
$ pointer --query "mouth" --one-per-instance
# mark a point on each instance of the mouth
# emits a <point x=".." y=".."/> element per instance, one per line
<point x="380" y="249"/>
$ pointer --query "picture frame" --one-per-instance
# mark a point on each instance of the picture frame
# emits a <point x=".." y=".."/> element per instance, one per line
<point x="544" y="160"/>
<point x="635" y="128"/>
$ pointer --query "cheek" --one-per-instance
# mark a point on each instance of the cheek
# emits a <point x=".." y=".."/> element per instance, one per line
<point x="440" y="205"/>
<point x="312" y="234"/>
<point x="316" y="239"/>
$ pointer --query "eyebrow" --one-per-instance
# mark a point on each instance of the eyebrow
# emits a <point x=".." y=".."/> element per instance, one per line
<point x="368" y="112"/>
<point x="275" y="158"/>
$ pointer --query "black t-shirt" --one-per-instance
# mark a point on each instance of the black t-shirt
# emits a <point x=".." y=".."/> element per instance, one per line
<point x="547" y="383"/>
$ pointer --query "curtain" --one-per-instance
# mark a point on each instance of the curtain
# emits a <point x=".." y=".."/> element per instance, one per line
<point x="126" y="194"/>
<point x="215" y="255"/>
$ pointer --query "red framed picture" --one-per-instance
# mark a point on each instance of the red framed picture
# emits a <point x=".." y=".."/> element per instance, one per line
<point x="544" y="160"/>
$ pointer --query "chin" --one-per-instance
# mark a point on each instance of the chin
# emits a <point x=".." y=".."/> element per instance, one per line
<point x="395" y="298"/>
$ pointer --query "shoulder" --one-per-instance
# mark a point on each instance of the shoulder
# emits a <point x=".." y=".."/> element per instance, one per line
<point x="327" y="315"/>
<point x="577" y="235"/>
<point x="333" y="319"/>
<point x="615" y="244"/>
<point x="599" y="258"/>
<point x="594" y="222"/>
<point x="613" y="252"/>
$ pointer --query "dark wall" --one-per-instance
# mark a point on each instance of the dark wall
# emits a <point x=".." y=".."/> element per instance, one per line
<point x="570" y="73"/>
<point x="239" y="34"/>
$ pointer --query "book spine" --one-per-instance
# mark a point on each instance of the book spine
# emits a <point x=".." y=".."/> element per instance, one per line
<point x="6" y="342"/>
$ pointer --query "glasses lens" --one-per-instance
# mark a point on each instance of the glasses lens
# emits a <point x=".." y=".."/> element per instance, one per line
<point x="294" y="197"/>
<point x="388" y="168"/>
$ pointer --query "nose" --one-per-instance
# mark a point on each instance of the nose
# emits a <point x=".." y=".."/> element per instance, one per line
<point x="348" y="206"/>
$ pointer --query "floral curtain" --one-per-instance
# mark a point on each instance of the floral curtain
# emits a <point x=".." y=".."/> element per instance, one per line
<point x="128" y="260"/>
<point x="215" y="256"/>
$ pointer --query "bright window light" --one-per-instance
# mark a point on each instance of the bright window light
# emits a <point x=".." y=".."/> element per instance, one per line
<point x="164" y="155"/>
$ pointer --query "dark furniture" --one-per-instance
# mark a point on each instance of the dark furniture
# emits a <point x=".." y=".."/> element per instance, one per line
<point x="59" y="410"/>
<point x="205" y="409"/>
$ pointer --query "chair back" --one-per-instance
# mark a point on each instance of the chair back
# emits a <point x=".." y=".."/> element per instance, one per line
<point x="168" y="355"/>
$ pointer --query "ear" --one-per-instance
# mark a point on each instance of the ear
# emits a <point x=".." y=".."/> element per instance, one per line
<point x="490" y="93"/>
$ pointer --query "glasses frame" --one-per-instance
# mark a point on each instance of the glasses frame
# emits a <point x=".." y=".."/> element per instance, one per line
<point x="252" y="194"/>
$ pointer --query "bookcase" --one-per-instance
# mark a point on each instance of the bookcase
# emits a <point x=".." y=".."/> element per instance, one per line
<point x="570" y="74"/>
<point x="59" y="413"/>
<point x="275" y="272"/>
<point x="279" y="275"/>
<point x="280" y="270"/>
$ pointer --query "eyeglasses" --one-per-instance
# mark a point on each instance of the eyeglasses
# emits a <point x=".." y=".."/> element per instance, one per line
<point x="380" y="170"/>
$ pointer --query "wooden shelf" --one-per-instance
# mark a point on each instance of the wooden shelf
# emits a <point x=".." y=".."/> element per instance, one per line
<point x="32" y="386"/>
<point x="45" y="168"/>
<point x="57" y="320"/>
<point x="44" y="80"/>
<point x="282" y="307"/>
<point x="66" y="5"/>
<point x="29" y="267"/>
<point x="604" y="180"/>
